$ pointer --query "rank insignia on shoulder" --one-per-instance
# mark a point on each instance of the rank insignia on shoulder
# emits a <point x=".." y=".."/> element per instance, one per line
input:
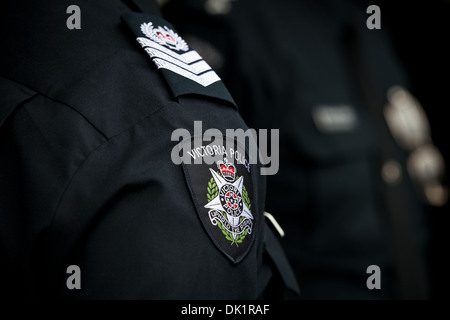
<point x="183" y="69"/>
<point x="223" y="195"/>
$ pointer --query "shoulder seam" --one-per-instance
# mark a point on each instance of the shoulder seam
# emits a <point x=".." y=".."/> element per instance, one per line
<point x="93" y="151"/>
<point x="60" y="102"/>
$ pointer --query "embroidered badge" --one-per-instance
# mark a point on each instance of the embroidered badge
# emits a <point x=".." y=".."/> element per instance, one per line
<point x="162" y="45"/>
<point x="172" y="55"/>
<point x="220" y="181"/>
<point x="229" y="203"/>
<point x="164" y="36"/>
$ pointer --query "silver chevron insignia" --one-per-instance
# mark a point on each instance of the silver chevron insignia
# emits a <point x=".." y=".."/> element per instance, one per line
<point x="189" y="64"/>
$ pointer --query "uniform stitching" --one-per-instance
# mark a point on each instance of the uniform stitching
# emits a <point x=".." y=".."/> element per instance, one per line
<point x="60" y="102"/>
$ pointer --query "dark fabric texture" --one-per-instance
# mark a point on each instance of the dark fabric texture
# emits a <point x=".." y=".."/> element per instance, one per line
<point x="86" y="176"/>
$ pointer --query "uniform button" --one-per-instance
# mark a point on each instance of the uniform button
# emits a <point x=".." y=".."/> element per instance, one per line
<point x="216" y="7"/>
<point x="391" y="172"/>
<point x="436" y="194"/>
<point x="162" y="3"/>
<point x="426" y="166"/>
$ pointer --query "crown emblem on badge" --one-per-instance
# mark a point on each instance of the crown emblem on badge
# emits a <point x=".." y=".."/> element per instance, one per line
<point x="228" y="170"/>
<point x="164" y="36"/>
<point x="229" y="203"/>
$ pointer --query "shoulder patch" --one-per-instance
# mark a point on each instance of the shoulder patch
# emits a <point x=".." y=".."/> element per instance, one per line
<point x="221" y="185"/>
<point x="183" y="69"/>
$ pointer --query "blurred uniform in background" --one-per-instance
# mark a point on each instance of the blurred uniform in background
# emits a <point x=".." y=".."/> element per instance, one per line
<point x="419" y="32"/>
<point x="358" y="168"/>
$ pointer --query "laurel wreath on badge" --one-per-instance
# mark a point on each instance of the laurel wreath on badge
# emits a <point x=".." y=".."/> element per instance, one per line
<point x="212" y="192"/>
<point x="164" y="36"/>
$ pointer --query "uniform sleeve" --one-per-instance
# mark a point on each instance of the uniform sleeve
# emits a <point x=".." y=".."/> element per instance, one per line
<point x="92" y="204"/>
<point x="117" y="208"/>
<point x="128" y="220"/>
<point x="42" y="143"/>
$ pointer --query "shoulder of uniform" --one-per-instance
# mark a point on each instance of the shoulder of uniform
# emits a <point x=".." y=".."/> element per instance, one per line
<point x="100" y="70"/>
<point x="91" y="69"/>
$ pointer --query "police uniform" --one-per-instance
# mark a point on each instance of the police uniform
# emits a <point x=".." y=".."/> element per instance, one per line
<point x="347" y="193"/>
<point x="88" y="185"/>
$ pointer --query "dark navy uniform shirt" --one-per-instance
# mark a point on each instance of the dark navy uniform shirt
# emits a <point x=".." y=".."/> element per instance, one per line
<point x="86" y="175"/>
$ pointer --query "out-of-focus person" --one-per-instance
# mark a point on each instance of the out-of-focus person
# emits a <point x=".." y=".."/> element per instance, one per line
<point x="358" y="167"/>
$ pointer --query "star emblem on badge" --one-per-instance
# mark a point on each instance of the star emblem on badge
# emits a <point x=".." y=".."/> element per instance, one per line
<point x="229" y="199"/>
